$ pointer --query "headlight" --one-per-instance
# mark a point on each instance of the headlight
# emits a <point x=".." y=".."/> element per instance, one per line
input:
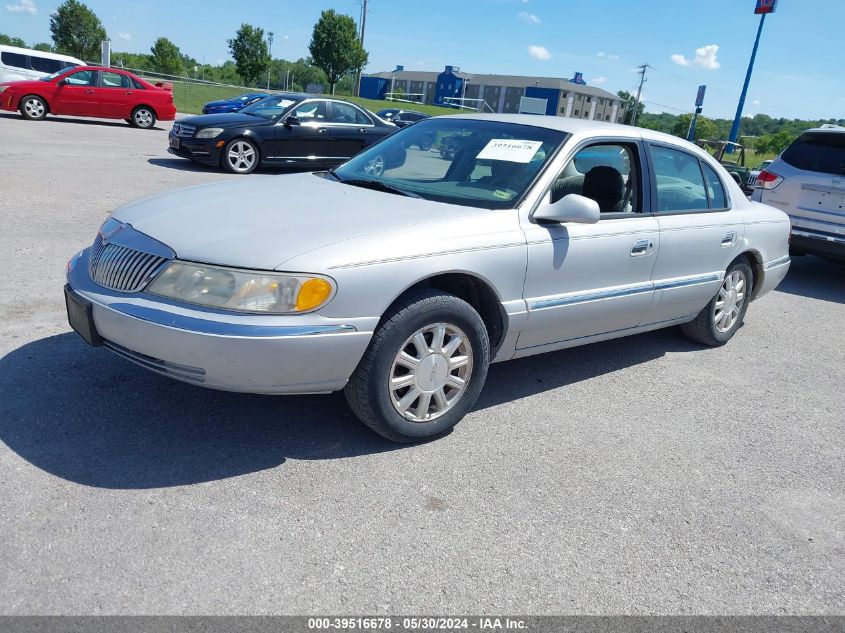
<point x="242" y="290"/>
<point x="210" y="132"/>
<point x="3" y="88"/>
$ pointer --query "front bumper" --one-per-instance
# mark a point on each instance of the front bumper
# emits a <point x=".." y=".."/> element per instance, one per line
<point x="233" y="352"/>
<point x="200" y="150"/>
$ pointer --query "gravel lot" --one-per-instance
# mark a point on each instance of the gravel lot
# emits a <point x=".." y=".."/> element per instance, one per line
<point x="643" y="475"/>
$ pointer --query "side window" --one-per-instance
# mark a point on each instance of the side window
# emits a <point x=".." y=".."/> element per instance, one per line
<point x="82" y="78"/>
<point x="16" y="60"/>
<point x="607" y="173"/>
<point x="137" y="84"/>
<point x="311" y="111"/>
<point x="114" y="80"/>
<point x="345" y="113"/>
<point x="715" y="189"/>
<point x="680" y="185"/>
<point x="44" y="64"/>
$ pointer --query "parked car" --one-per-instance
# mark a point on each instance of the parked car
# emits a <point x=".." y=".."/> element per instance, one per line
<point x="752" y="175"/>
<point x="24" y="64"/>
<point x="285" y="130"/>
<point x="807" y="181"/>
<point x="388" y="113"/>
<point x="732" y="157"/>
<point x="91" y="91"/>
<point x="404" y="118"/>
<point x="235" y="104"/>
<point x="400" y="285"/>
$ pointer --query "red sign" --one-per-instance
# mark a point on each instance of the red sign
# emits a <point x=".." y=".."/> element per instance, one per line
<point x="765" y="6"/>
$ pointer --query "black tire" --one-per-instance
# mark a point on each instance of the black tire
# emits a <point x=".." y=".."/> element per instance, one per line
<point x="233" y="169"/>
<point x="368" y="392"/>
<point x="703" y="328"/>
<point x="33" y="107"/>
<point x="143" y="118"/>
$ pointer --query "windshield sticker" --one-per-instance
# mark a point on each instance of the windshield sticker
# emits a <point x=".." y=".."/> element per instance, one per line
<point x="504" y="195"/>
<point x="510" y="150"/>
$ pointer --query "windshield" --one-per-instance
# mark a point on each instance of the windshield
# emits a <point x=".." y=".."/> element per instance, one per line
<point x="270" y="107"/>
<point x="476" y="163"/>
<point x="52" y="76"/>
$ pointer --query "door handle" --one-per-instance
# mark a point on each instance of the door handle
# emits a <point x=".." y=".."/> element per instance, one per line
<point x="729" y="239"/>
<point x="642" y="247"/>
<point x="127" y="92"/>
<point x="89" y="92"/>
<point x="321" y="130"/>
<point x="362" y="130"/>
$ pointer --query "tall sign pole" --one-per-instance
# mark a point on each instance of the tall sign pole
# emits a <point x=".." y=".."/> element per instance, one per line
<point x="699" y="105"/>
<point x="763" y="8"/>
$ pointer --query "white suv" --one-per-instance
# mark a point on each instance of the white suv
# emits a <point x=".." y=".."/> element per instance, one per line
<point x="807" y="181"/>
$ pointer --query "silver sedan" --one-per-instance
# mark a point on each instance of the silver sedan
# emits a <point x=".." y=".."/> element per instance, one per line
<point x="401" y="275"/>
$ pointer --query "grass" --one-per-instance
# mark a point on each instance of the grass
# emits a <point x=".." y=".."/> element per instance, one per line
<point x="190" y="97"/>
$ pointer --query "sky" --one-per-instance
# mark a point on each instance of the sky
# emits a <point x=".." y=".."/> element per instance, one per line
<point x="799" y="71"/>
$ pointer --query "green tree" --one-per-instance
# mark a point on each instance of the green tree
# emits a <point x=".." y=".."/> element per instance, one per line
<point x="250" y="52"/>
<point x="77" y="30"/>
<point x="8" y="40"/>
<point x="166" y="57"/>
<point x="335" y="46"/>
<point x="43" y="46"/>
<point x="774" y="143"/>
<point x="628" y="104"/>
<point x="704" y="127"/>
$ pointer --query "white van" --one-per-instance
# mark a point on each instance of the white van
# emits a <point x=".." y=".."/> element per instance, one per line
<point x="20" y="64"/>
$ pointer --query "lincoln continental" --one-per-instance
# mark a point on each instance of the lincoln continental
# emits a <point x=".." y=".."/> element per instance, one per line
<point x="401" y="275"/>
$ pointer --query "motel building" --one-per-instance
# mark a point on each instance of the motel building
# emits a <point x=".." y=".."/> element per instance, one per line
<point x="496" y="93"/>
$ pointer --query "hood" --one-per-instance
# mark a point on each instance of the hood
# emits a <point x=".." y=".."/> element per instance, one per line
<point x="263" y="221"/>
<point x="228" y="119"/>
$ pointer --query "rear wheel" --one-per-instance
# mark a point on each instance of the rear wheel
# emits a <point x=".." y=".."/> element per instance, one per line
<point x="424" y="368"/>
<point x="33" y="107"/>
<point x="720" y="319"/>
<point x="143" y="117"/>
<point x="240" y="156"/>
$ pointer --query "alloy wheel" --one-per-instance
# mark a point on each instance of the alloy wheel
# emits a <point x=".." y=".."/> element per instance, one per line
<point x="241" y="156"/>
<point x="729" y="301"/>
<point x="431" y="372"/>
<point x="143" y="118"/>
<point x="34" y="108"/>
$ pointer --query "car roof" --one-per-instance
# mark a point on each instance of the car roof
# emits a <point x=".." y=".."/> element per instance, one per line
<point x="829" y="128"/>
<point x="47" y="54"/>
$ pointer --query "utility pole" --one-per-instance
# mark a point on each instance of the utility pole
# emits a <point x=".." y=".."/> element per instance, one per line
<point x="642" y="68"/>
<point x="357" y="85"/>
<point x="270" y="53"/>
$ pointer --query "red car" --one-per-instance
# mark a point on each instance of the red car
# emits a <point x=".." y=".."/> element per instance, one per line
<point x="109" y="93"/>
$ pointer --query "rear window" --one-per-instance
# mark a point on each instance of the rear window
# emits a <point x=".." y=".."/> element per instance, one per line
<point x="823" y="153"/>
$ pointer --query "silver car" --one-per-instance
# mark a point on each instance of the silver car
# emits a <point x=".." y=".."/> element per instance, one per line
<point x="807" y="181"/>
<point x="401" y="275"/>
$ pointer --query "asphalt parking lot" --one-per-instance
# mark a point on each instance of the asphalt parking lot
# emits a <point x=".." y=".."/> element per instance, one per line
<point x="642" y="475"/>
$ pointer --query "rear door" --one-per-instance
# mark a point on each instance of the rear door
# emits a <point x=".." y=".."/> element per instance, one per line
<point x="351" y="129"/>
<point x="116" y="95"/>
<point x="77" y="94"/>
<point x="813" y="189"/>
<point x="699" y="234"/>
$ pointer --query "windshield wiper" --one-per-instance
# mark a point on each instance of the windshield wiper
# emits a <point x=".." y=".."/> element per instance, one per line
<point x="376" y="185"/>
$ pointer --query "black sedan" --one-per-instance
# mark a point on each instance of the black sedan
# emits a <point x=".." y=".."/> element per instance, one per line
<point x="296" y="130"/>
<point x="406" y="117"/>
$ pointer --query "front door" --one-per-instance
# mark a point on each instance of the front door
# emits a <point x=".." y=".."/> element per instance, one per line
<point x="306" y="140"/>
<point x="589" y="279"/>
<point x="77" y="94"/>
<point x="699" y="235"/>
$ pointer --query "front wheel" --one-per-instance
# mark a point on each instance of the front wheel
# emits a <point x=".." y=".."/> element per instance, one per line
<point x="424" y="368"/>
<point x="143" y="117"/>
<point x="716" y="324"/>
<point x="33" y="108"/>
<point x="240" y="156"/>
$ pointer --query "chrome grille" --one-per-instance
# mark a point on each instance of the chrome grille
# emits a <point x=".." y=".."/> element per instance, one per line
<point x="184" y="131"/>
<point x="121" y="268"/>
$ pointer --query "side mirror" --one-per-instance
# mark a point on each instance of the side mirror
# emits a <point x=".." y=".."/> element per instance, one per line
<point x="64" y="82"/>
<point x="291" y="120"/>
<point x="570" y="208"/>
